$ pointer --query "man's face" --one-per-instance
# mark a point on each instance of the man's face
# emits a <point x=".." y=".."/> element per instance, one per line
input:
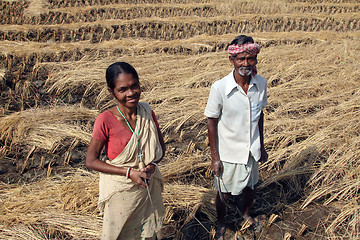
<point x="243" y="63"/>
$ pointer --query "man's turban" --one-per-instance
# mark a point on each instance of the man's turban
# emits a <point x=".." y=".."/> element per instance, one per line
<point x="251" y="48"/>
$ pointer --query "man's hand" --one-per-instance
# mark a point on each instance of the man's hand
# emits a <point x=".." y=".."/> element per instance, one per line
<point x="264" y="155"/>
<point x="217" y="167"/>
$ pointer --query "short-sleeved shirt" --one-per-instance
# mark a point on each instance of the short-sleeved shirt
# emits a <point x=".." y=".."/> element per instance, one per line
<point x="109" y="130"/>
<point x="238" y="116"/>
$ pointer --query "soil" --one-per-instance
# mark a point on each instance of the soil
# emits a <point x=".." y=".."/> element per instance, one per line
<point x="39" y="166"/>
<point x="296" y="224"/>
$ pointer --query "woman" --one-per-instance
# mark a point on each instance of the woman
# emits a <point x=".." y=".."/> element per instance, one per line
<point x="130" y="183"/>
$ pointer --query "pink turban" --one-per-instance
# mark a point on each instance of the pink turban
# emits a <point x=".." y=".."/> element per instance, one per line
<point x="251" y="48"/>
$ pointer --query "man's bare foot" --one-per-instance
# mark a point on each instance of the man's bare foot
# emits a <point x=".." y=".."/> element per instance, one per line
<point x="220" y="232"/>
<point x="254" y="224"/>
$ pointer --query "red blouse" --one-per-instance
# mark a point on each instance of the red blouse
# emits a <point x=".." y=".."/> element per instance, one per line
<point x="110" y="131"/>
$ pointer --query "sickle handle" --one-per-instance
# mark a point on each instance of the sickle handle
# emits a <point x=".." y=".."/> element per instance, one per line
<point x="141" y="165"/>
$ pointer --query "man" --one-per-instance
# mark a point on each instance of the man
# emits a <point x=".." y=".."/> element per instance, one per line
<point x="235" y="129"/>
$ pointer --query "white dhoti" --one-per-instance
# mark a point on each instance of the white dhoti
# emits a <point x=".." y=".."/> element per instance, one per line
<point x="235" y="177"/>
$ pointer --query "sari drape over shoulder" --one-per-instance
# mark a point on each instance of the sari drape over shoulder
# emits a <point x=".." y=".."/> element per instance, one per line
<point x="149" y="218"/>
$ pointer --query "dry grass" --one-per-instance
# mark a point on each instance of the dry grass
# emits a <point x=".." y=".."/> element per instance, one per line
<point x="52" y="208"/>
<point x="73" y="200"/>
<point x="45" y="127"/>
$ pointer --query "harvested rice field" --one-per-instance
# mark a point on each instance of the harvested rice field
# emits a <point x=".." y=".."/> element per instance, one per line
<point x="53" y="56"/>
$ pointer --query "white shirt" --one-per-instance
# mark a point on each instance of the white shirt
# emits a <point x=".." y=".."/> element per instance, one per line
<point x="238" y="117"/>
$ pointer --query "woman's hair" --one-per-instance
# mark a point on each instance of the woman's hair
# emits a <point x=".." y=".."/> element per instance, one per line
<point x="242" y="39"/>
<point x="115" y="69"/>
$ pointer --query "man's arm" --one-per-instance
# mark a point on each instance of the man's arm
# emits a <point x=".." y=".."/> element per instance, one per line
<point x="264" y="155"/>
<point x="216" y="165"/>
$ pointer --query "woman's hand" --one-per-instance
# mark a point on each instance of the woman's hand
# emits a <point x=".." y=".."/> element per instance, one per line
<point x="149" y="169"/>
<point x="138" y="177"/>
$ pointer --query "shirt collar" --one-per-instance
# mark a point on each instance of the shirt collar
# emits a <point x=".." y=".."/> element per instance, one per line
<point x="254" y="82"/>
<point x="231" y="83"/>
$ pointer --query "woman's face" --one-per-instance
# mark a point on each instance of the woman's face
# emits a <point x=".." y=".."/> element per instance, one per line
<point x="127" y="90"/>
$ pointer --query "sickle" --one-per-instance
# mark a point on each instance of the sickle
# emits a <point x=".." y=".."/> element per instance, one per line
<point x="220" y="193"/>
<point x="141" y="166"/>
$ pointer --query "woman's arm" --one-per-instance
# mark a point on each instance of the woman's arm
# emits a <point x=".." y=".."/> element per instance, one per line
<point x="150" y="168"/>
<point x="93" y="162"/>
<point x="161" y="138"/>
<point x="162" y="143"/>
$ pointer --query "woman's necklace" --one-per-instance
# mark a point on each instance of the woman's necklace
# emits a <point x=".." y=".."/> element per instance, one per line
<point x="141" y="164"/>
<point x="135" y="133"/>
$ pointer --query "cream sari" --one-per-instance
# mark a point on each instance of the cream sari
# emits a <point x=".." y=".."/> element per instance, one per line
<point x="128" y="212"/>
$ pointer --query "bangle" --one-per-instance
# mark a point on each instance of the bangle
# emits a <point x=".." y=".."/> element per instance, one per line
<point x="155" y="164"/>
<point x="128" y="172"/>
